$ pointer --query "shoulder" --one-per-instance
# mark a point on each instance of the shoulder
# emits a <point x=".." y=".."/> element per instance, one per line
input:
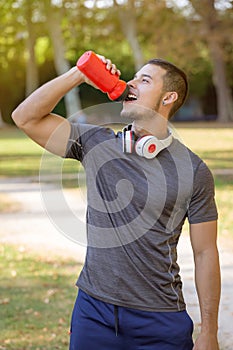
<point x="84" y="137"/>
<point x="198" y="164"/>
<point x="86" y="131"/>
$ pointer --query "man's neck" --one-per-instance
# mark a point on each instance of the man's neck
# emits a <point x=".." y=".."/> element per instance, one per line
<point x="158" y="128"/>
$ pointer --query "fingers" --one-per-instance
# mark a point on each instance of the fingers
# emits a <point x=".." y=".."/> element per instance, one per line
<point x="109" y="65"/>
<point x="85" y="79"/>
<point x="112" y="68"/>
<point x="89" y="82"/>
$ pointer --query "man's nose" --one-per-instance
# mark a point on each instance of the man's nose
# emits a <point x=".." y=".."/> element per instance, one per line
<point x="132" y="83"/>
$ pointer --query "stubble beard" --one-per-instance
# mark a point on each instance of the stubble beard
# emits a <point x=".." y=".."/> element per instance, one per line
<point x="136" y="111"/>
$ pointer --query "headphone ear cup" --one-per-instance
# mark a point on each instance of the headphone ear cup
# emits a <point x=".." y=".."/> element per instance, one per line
<point x="128" y="141"/>
<point x="147" y="146"/>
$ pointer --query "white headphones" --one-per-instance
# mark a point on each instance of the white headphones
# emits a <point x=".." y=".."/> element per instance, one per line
<point x="147" y="146"/>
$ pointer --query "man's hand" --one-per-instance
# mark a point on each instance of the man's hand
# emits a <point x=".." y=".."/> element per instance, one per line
<point x="206" y="342"/>
<point x="109" y="66"/>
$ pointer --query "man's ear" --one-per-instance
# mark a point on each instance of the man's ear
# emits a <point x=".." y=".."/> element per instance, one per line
<point x="169" y="97"/>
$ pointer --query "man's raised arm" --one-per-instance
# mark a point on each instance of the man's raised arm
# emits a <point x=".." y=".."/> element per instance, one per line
<point x="34" y="115"/>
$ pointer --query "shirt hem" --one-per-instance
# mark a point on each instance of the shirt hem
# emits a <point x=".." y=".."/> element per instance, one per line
<point x="132" y="306"/>
<point x="200" y="220"/>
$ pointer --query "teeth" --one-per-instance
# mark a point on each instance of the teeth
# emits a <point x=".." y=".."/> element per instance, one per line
<point x="131" y="97"/>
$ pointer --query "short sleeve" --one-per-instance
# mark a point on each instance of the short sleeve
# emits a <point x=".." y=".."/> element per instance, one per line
<point x="74" y="146"/>
<point x="202" y="207"/>
<point x="78" y="139"/>
<point x="83" y="137"/>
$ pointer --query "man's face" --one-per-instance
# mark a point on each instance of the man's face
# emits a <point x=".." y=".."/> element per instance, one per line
<point x="145" y="92"/>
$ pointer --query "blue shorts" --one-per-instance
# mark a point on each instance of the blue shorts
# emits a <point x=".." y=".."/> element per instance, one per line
<point x="97" y="325"/>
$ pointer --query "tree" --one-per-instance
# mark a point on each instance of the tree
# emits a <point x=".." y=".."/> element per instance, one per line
<point x="50" y="35"/>
<point x="128" y="20"/>
<point x="11" y="62"/>
<point x="32" y="75"/>
<point x="214" y="33"/>
<point x="54" y="20"/>
<point x="2" y="123"/>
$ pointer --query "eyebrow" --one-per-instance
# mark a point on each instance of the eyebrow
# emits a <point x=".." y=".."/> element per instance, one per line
<point x="144" y="75"/>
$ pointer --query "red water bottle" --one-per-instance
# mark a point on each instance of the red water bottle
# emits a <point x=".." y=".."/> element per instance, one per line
<point x="95" y="69"/>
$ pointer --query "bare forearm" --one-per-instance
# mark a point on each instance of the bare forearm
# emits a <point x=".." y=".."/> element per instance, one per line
<point x="207" y="275"/>
<point x="42" y="101"/>
<point x="34" y="116"/>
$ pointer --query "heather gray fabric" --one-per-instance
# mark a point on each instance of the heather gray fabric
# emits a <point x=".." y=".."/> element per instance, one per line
<point x="136" y="210"/>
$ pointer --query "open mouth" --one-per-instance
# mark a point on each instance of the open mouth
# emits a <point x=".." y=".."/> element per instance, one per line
<point x="131" y="97"/>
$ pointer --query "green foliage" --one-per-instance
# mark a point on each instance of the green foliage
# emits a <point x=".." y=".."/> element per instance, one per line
<point x="163" y="30"/>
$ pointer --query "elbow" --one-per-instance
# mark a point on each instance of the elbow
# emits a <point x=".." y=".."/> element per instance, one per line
<point x="17" y="117"/>
<point x="14" y="116"/>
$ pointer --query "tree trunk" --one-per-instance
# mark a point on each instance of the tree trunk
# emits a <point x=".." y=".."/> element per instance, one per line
<point x="2" y="123"/>
<point x="32" y="75"/>
<point x="214" y="37"/>
<point x="128" y="22"/>
<point x="72" y="100"/>
<point x="224" y="99"/>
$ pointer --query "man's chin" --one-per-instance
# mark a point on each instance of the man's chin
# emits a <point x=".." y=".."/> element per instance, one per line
<point x="126" y="114"/>
<point x="135" y="111"/>
<point x="131" y="111"/>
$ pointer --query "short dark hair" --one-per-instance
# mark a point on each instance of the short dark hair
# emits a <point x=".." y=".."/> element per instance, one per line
<point x="173" y="80"/>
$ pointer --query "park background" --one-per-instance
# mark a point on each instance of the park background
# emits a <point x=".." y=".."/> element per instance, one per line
<point x="42" y="39"/>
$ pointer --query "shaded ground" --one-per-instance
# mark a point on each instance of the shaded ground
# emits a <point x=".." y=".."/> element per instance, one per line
<point x="31" y="228"/>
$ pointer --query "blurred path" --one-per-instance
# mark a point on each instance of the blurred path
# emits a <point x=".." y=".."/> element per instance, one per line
<point x="32" y="229"/>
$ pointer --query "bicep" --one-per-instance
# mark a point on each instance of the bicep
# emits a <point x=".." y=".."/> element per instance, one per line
<point x="203" y="236"/>
<point x="51" y="132"/>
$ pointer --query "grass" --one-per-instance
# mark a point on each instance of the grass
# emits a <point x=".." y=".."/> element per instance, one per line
<point x="224" y="200"/>
<point x="214" y="145"/>
<point x="36" y="299"/>
<point x="21" y="157"/>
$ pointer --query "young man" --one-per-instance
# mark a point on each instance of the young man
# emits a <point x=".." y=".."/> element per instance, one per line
<point x="130" y="291"/>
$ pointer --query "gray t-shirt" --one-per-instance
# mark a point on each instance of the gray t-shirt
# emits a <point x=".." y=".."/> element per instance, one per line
<point x="136" y="208"/>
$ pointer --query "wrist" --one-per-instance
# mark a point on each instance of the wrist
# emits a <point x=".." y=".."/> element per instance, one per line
<point x="76" y="77"/>
<point x="210" y="330"/>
